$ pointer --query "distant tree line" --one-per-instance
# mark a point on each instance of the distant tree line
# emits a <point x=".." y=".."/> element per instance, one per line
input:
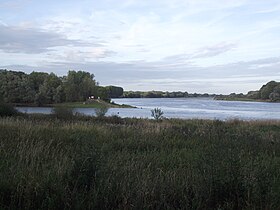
<point x="43" y="88"/>
<point x="163" y="94"/>
<point x="268" y="92"/>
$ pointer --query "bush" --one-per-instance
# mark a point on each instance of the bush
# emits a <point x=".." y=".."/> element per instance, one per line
<point x="101" y="112"/>
<point x="157" y="113"/>
<point x="7" y="110"/>
<point x="63" y="112"/>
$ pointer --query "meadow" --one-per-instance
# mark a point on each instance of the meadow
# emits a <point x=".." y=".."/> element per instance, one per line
<point x="51" y="162"/>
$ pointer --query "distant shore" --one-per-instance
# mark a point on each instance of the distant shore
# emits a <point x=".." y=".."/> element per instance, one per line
<point x="243" y="99"/>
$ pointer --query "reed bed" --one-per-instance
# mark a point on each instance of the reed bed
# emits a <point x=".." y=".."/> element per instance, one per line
<point x="113" y="163"/>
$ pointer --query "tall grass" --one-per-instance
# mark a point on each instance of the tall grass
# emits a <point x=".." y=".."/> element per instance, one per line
<point x="113" y="163"/>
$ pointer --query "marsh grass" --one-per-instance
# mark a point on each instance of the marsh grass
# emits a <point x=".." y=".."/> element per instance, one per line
<point x="113" y="163"/>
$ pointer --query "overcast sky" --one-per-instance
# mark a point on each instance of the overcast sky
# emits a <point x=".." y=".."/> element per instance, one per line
<point x="214" y="46"/>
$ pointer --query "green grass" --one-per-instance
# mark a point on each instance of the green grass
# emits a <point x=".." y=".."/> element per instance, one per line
<point x="114" y="163"/>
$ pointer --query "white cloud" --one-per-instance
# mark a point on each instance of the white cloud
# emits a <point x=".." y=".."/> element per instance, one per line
<point x="137" y="42"/>
<point x="29" y="40"/>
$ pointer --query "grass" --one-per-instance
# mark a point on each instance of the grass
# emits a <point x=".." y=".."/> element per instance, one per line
<point x="113" y="163"/>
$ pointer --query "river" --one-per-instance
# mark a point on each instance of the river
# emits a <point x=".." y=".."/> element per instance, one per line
<point x="185" y="108"/>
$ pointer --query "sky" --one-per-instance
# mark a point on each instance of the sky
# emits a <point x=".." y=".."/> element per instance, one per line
<point x="203" y="46"/>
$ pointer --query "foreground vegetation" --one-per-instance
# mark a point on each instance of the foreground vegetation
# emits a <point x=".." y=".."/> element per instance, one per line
<point x="48" y="162"/>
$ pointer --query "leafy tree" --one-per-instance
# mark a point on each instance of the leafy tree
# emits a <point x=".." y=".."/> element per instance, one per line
<point x="114" y="92"/>
<point x="12" y="86"/>
<point x="103" y="93"/>
<point x="275" y="95"/>
<point x="36" y="79"/>
<point x="47" y="91"/>
<point x="59" y="95"/>
<point x="253" y="94"/>
<point x="267" y="89"/>
<point x="79" y="85"/>
<point x="43" y="88"/>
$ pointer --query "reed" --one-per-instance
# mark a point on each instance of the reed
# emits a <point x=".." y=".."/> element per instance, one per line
<point x="112" y="163"/>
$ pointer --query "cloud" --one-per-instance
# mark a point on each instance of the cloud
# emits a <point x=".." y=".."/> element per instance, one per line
<point x="191" y="45"/>
<point x="16" y="4"/>
<point x="215" y="50"/>
<point x="204" y="52"/>
<point x="30" y="40"/>
<point x="233" y="77"/>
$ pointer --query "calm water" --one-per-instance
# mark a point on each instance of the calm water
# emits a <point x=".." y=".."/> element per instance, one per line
<point x="187" y="108"/>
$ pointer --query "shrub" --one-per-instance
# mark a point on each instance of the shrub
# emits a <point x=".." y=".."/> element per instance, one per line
<point x="101" y="112"/>
<point x="7" y="110"/>
<point x="157" y="113"/>
<point x="63" y="112"/>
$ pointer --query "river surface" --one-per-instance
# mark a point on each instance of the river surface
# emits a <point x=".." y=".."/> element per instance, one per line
<point x="186" y="108"/>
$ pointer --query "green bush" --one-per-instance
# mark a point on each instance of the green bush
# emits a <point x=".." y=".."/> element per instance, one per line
<point x="7" y="110"/>
<point x="157" y="113"/>
<point x="101" y="112"/>
<point x="63" y="112"/>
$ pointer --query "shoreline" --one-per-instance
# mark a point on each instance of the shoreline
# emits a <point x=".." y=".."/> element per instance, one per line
<point x="245" y="100"/>
<point x="95" y="104"/>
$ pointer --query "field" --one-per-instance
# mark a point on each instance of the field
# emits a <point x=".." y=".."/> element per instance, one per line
<point x="113" y="163"/>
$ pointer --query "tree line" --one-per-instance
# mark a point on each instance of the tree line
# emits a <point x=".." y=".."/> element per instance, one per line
<point x="43" y="88"/>
<point x="163" y="94"/>
<point x="268" y="92"/>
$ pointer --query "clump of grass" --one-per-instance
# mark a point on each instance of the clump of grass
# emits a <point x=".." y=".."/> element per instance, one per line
<point x="61" y="112"/>
<point x="101" y="111"/>
<point x="157" y="113"/>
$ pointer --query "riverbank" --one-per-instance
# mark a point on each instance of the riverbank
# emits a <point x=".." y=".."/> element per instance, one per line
<point x="241" y="99"/>
<point x="114" y="163"/>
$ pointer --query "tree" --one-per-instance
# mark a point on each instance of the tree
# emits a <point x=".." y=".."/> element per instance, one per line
<point x="13" y="87"/>
<point x="275" y="95"/>
<point x="59" y="95"/>
<point x="103" y="93"/>
<point x="79" y="85"/>
<point x="114" y="92"/>
<point x="47" y="91"/>
<point x="267" y="89"/>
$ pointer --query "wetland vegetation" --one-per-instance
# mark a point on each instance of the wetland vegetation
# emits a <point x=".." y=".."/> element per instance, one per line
<point x="82" y="162"/>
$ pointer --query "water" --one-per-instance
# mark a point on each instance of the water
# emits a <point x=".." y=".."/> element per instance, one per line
<point x="186" y="108"/>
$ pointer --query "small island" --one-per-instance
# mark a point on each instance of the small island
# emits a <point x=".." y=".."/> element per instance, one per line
<point x="269" y="92"/>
